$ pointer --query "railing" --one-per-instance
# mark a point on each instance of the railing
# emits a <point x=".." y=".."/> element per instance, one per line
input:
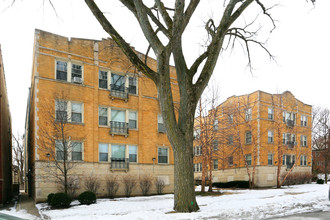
<point x="120" y="128"/>
<point x="289" y="123"/>
<point x="119" y="163"/>
<point x="120" y="92"/>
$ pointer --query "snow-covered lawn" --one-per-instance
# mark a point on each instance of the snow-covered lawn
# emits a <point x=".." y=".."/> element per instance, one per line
<point x="232" y="204"/>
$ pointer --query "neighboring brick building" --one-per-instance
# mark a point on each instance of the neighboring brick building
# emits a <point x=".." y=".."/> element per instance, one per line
<point x="111" y="109"/>
<point x="250" y="129"/>
<point x="319" y="156"/>
<point x="5" y="141"/>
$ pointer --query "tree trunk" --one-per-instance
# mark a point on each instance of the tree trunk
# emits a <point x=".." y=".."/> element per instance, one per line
<point x="184" y="189"/>
<point x="210" y="176"/>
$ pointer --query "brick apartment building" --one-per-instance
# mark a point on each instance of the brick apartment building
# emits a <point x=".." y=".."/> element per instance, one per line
<point x="257" y="130"/>
<point x="111" y="112"/>
<point x="5" y="140"/>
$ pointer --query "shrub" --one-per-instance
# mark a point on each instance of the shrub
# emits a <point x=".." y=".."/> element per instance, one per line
<point x="160" y="185"/>
<point x="297" y="178"/>
<point x="129" y="182"/>
<point x="112" y="186"/>
<point x="92" y="183"/>
<point x="145" y="182"/>
<point x="87" y="198"/>
<point x="60" y="200"/>
<point x="49" y="198"/>
<point x="320" y="181"/>
<point x="232" y="184"/>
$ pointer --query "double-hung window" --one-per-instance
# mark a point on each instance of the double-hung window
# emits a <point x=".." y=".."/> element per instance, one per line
<point x="270" y="137"/>
<point x="230" y="118"/>
<point x="215" y="164"/>
<point x="61" y="70"/>
<point x="248" y="137"/>
<point x="303" y="120"/>
<point x="230" y="140"/>
<point x="248" y="114"/>
<point x="248" y="159"/>
<point x="77" y="150"/>
<point x="303" y="160"/>
<point x="59" y="150"/>
<point x="103" y="116"/>
<point x="132" y="85"/>
<point x="161" y="126"/>
<point x="103" y="152"/>
<point x="216" y="125"/>
<point x="61" y="110"/>
<point x="230" y="160"/>
<point x="215" y="144"/>
<point x="270" y="113"/>
<point x="76" y="112"/>
<point x="270" y="159"/>
<point x="162" y="155"/>
<point x="303" y="140"/>
<point x="132" y="122"/>
<point x="103" y="79"/>
<point x="69" y="71"/>
<point x="132" y="150"/>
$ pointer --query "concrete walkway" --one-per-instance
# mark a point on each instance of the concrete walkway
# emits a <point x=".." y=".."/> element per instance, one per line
<point x="27" y="203"/>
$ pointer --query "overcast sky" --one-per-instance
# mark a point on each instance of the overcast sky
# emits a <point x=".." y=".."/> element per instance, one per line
<point x="300" y="44"/>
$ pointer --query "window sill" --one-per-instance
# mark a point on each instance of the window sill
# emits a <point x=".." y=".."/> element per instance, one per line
<point x="65" y="81"/>
<point x="162" y="164"/>
<point x="76" y="123"/>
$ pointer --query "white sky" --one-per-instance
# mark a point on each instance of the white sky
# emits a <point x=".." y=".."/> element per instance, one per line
<point x="300" y="43"/>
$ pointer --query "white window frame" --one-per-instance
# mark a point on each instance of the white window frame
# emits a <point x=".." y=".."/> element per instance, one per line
<point x="69" y="111"/>
<point x="137" y="153"/>
<point x="303" y="120"/>
<point x="248" y="114"/>
<point x="127" y="111"/>
<point x="270" y="113"/>
<point x="160" y="118"/>
<point x="303" y="139"/>
<point x="69" y="142"/>
<point x="248" y="158"/>
<point x="270" y="136"/>
<point x="303" y="160"/>
<point x="108" y="77"/>
<point x="215" y="125"/>
<point x="168" y="154"/>
<point x="69" y="69"/>
<point x="109" y="145"/>
<point x="272" y="159"/>
<point x="246" y="137"/>
<point x="136" y="119"/>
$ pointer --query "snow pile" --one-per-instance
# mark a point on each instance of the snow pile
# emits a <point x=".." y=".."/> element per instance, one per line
<point x="232" y="204"/>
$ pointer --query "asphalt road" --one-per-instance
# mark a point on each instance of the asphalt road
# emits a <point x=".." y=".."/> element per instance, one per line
<point x="307" y="216"/>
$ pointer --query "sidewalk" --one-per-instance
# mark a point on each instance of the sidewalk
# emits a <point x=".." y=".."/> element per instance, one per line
<point x="27" y="203"/>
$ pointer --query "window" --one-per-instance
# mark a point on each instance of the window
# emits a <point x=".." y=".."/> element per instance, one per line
<point x="270" y="159"/>
<point x="289" y="117"/>
<point x="197" y="150"/>
<point x="248" y="114"/>
<point x="132" y="150"/>
<point x="289" y="138"/>
<point x="161" y="126"/>
<point x="69" y="71"/>
<point x="248" y="159"/>
<point x="215" y="125"/>
<point x="230" y="118"/>
<point x="68" y="111"/>
<point x="118" y="151"/>
<point x="289" y="160"/>
<point x="132" y="120"/>
<point x="270" y="137"/>
<point x="103" y="152"/>
<point x="59" y="150"/>
<point x="61" y="70"/>
<point x="230" y="160"/>
<point x="303" y="160"/>
<point x="230" y="140"/>
<point x="118" y="123"/>
<point x="200" y="165"/>
<point x="215" y="164"/>
<point x="117" y="82"/>
<point x="103" y="79"/>
<point x="303" y="140"/>
<point x="197" y="133"/>
<point x="61" y="108"/>
<point x="77" y="151"/>
<point x="215" y="144"/>
<point x="162" y="155"/>
<point x="303" y="120"/>
<point x="76" y="73"/>
<point x="270" y="113"/>
<point x="76" y="112"/>
<point x="248" y="137"/>
<point x="103" y="116"/>
<point x="132" y="85"/>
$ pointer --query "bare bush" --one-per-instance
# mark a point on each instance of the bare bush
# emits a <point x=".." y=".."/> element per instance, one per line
<point x="145" y="182"/>
<point x="160" y="185"/>
<point x="92" y="183"/>
<point x="112" y="186"/>
<point x="72" y="186"/>
<point x="129" y="182"/>
<point x="297" y="178"/>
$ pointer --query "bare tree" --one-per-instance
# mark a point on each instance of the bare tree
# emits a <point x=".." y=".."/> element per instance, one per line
<point x="60" y="145"/>
<point x="18" y="155"/>
<point x="163" y="26"/>
<point x="321" y="136"/>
